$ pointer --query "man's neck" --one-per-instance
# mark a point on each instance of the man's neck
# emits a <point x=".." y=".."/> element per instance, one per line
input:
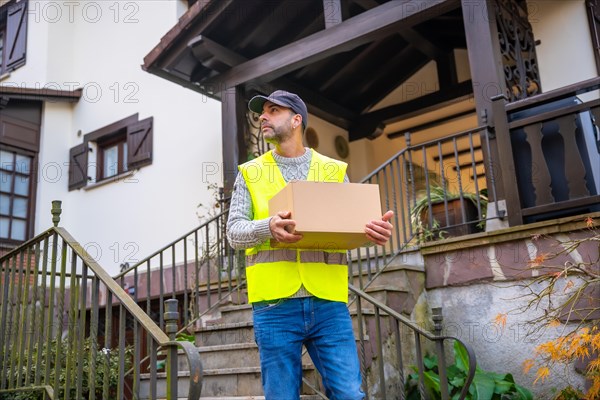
<point x="290" y="149"/>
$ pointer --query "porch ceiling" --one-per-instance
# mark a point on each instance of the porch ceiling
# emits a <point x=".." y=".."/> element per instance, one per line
<point x="263" y="44"/>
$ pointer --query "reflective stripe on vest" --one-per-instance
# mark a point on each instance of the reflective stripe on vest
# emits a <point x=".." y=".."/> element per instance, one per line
<point x="306" y="256"/>
<point x="278" y="273"/>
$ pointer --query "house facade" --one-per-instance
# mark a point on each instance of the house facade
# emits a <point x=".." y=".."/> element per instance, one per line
<point x="129" y="155"/>
<point x="465" y="96"/>
<point x="481" y="115"/>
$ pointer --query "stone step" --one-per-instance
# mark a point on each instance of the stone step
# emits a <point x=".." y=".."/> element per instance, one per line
<point x="229" y="382"/>
<point x="230" y="356"/>
<point x="302" y="397"/>
<point x="236" y="355"/>
<point x="231" y="314"/>
<point x="401" y="277"/>
<point x="397" y="299"/>
<point x="226" y="333"/>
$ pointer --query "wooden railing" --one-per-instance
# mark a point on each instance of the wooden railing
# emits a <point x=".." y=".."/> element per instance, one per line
<point x="436" y="189"/>
<point x="68" y="326"/>
<point x="199" y="268"/>
<point x="549" y="152"/>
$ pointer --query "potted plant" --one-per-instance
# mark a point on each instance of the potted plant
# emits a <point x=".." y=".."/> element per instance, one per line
<point x="442" y="200"/>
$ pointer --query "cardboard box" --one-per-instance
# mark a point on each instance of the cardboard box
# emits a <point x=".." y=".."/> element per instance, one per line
<point x="331" y="216"/>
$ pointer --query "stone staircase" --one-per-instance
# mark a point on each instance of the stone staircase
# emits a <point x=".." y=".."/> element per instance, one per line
<point x="230" y="356"/>
<point x="230" y="360"/>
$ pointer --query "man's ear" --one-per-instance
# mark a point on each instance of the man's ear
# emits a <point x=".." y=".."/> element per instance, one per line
<point x="297" y="121"/>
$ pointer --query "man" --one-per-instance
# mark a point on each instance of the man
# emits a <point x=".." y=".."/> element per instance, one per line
<point x="298" y="297"/>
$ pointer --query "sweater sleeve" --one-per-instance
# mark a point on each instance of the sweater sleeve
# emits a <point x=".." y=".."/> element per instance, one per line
<point x="242" y="231"/>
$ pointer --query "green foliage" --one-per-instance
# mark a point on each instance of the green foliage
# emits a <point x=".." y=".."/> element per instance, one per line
<point x="23" y="395"/>
<point x="485" y="385"/>
<point x="184" y="337"/>
<point x="439" y="194"/>
<point x="106" y="365"/>
<point x="162" y="354"/>
<point x="569" y="393"/>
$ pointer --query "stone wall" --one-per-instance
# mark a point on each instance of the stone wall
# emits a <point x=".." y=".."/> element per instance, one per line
<point x="481" y="276"/>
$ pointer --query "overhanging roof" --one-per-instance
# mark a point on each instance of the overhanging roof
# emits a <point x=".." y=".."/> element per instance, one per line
<point x="341" y="70"/>
<point x="42" y="94"/>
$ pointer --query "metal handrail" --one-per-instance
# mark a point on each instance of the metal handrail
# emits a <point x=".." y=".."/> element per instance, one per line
<point x="202" y="259"/>
<point x="47" y="390"/>
<point x="39" y="266"/>
<point x="418" y="332"/>
<point x="166" y="247"/>
<point x="118" y="293"/>
<point x="416" y="146"/>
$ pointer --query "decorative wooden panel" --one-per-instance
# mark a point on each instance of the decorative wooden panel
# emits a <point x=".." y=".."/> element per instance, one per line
<point x="517" y="46"/>
<point x="593" y="7"/>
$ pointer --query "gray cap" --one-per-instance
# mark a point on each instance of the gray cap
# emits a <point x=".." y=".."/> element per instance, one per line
<point x="284" y="99"/>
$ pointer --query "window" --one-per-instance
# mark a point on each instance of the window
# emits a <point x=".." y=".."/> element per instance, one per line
<point x="13" y="35"/>
<point x="15" y="195"/>
<point x="19" y="146"/>
<point x="112" y="157"/>
<point x="116" y="148"/>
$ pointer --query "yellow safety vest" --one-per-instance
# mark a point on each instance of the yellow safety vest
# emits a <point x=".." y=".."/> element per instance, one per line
<point x="279" y="273"/>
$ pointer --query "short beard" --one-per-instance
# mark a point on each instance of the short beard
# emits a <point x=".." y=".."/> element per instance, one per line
<point x="281" y="133"/>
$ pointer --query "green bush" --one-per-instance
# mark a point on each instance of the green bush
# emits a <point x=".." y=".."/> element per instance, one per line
<point x="485" y="385"/>
<point x="23" y="395"/>
<point x="104" y="361"/>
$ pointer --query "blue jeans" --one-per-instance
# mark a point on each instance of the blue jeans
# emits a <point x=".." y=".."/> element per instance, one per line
<point x="325" y="328"/>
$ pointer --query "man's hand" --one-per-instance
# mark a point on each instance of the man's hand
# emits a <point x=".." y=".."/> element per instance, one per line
<point x="380" y="231"/>
<point x="281" y="226"/>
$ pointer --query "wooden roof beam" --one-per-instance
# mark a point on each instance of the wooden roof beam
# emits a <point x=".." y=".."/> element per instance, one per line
<point x="373" y="92"/>
<point x="351" y="65"/>
<point x="410" y="35"/>
<point x="263" y="32"/>
<point x="13" y="91"/>
<point x="366" y="4"/>
<point x="361" y="29"/>
<point x="199" y="17"/>
<point x="332" y="11"/>
<point x="421" y="105"/>
<point x="206" y="50"/>
<point x="433" y="124"/>
<point x="423" y="44"/>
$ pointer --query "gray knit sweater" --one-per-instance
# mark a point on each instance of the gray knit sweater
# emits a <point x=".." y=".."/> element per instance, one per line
<point x="243" y="231"/>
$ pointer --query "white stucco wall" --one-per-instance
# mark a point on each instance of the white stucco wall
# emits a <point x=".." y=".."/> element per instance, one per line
<point x="565" y="54"/>
<point x="100" y="46"/>
<point x="469" y="313"/>
<point x="327" y="133"/>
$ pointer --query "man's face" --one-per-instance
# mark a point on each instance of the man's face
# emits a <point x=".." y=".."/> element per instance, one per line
<point x="276" y="122"/>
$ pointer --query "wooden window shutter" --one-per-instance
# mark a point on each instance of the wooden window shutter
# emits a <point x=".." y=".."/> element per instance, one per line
<point x="139" y="143"/>
<point x="16" y="35"/>
<point x="78" y="166"/>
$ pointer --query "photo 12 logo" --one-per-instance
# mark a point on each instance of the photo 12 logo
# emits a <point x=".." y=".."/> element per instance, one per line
<point x="91" y="92"/>
<point x="87" y="11"/>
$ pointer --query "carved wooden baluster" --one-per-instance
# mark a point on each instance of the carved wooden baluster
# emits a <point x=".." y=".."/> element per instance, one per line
<point x="574" y="168"/>
<point x="540" y="175"/>
<point x="596" y="120"/>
